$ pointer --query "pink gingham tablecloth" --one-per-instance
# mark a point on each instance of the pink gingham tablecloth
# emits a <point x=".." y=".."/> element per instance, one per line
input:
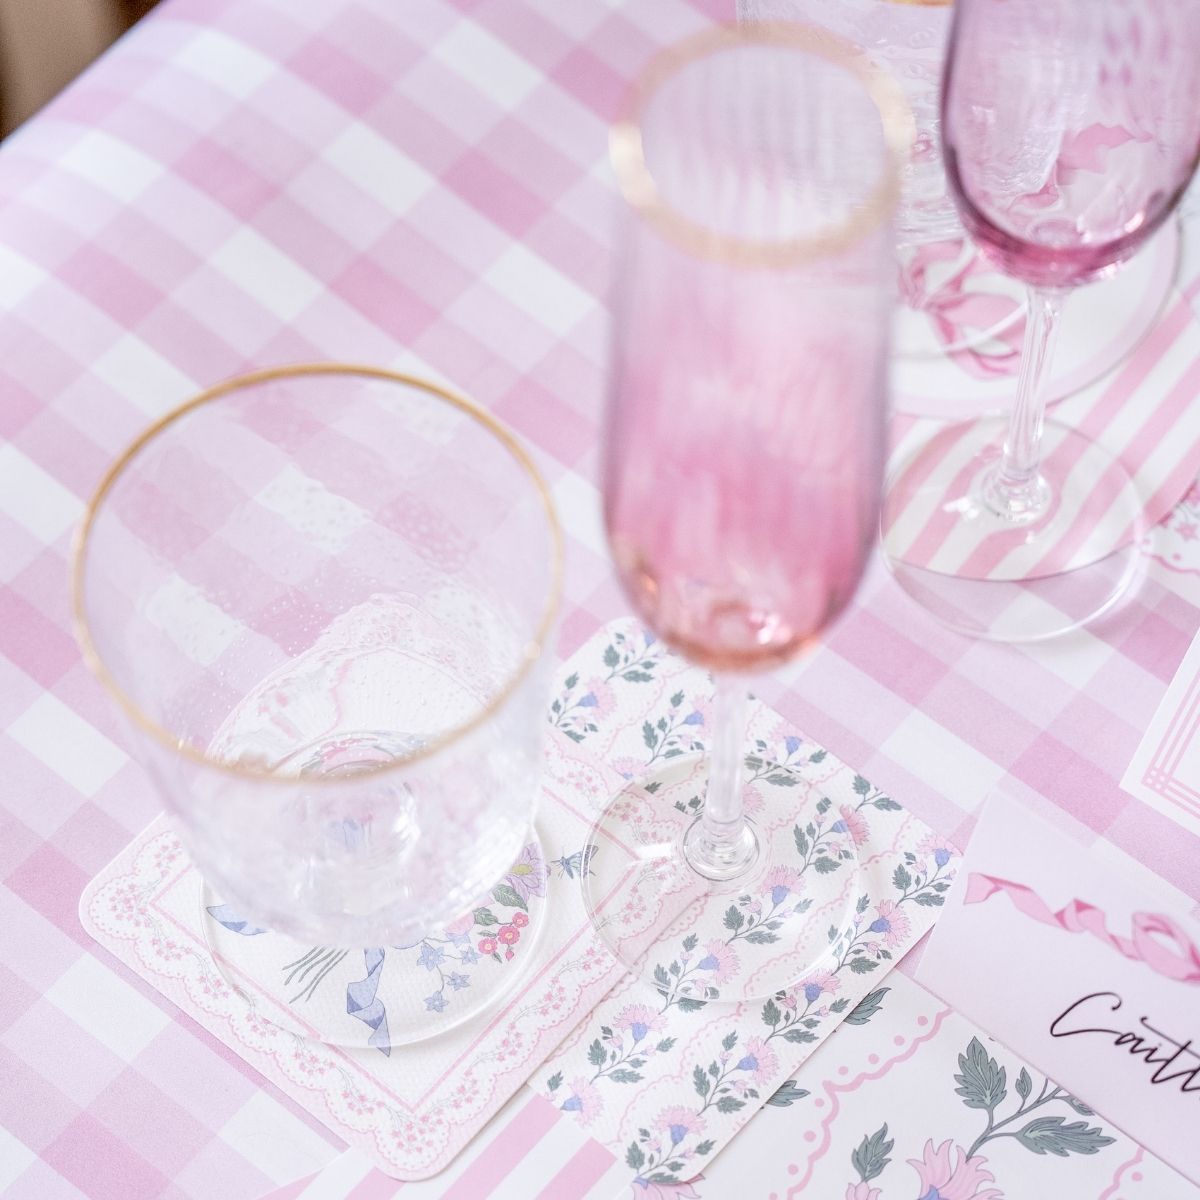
<point x="421" y="184"/>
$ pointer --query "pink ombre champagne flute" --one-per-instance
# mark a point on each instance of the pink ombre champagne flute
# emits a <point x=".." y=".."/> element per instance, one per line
<point x="744" y="452"/>
<point x="1070" y="130"/>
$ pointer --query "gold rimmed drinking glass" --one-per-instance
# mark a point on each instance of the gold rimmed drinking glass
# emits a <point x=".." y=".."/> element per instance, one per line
<point x="321" y="594"/>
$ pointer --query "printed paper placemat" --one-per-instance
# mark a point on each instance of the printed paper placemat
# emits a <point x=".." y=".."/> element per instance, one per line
<point x="914" y="1102"/>
<point x="413" y="1107"/>
<point x="1109" y="998"/>
<point x="1173" y="547"/>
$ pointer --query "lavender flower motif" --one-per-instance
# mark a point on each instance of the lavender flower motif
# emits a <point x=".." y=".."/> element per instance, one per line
<point x="223" y="914"/>
<point x="430" y="957"/>
<point x="527" y="876"/>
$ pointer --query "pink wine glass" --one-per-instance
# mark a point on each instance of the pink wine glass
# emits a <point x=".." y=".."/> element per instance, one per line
<point x="1070" y="130"/>
<point x="744" y="451"/>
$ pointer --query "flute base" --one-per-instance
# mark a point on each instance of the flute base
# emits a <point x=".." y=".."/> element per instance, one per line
<point x="696" y="940"/>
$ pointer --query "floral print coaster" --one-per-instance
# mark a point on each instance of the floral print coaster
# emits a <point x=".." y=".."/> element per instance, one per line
<point x="661" y="1076"/>
<point x="409" y="1107"/>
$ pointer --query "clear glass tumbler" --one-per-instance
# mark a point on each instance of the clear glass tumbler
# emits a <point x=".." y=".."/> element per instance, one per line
<point x="321" y="595"/>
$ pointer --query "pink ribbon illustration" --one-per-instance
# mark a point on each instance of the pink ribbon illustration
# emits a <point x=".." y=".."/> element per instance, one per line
<point x="1156" y="940"/>
<point x="955" y="310"/>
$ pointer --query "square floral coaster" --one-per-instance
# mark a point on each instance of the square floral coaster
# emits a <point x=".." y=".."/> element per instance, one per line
<point x="410" y="1107"/>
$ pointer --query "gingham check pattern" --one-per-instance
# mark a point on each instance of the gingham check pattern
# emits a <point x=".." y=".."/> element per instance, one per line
<point x="245" y="182"/>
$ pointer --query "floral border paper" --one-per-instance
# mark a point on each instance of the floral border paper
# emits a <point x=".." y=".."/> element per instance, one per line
<point x="921" y="1105"/>
<point x="663" y="1080"/>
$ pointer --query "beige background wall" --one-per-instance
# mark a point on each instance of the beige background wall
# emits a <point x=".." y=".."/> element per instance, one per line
<point x="44" y="44"/>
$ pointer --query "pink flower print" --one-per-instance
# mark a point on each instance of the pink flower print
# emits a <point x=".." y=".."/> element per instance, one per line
<point x="627" y="768"/>
<point x="861" y="1191"/>
<point x="956" y="306"/>
<point x="1186" y="530"/>
<point x="721" y="960"/>
<point x="599" y="699"/>
<point x="816" y="985"/>
<point x="527" y="876"/>
<point x="752" y="800"/>
<point x="852" y="822"/>
<point x="639" y="1019"/>
<point x="937" y="848"/>
<point x="781" y="882"/>
<point x="508" y="935"/>
<point x="678" y="1123"/>
<point x="941" y="1177"/>
<point x="584" y="1099"/>
<point x="759" y="1059"/>
<point x="924" y="149"/>
<point x="891" y="924"/>
<point x="487" y="945"/>
<point x="520" y="920"/>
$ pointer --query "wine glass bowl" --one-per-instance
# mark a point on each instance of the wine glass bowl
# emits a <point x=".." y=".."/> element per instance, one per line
<point x="1063" y="142"/>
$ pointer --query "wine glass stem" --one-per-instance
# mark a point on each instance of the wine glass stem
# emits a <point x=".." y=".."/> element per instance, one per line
<point x="1014" y="488"/>
<point x="721" y="845"/>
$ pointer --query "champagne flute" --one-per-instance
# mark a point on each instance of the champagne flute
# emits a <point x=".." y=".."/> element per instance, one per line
<point x="1070" y="129"/>
<point x="746" y="428"/>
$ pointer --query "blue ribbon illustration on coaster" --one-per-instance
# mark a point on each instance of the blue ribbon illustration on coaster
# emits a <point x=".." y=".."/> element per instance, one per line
<point x="492" y="932"/>
<point x="363" y="1003"/>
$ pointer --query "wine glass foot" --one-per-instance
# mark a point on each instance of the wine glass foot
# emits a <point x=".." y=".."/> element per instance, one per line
<point x="1071" y="559"/>
<point x="697" y="940"/>
<point x="375" y="998"/>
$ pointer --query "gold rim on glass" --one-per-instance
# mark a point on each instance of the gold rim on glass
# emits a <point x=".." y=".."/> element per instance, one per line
<point x="638" y="186"/>
<point x="533" y="649"/>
